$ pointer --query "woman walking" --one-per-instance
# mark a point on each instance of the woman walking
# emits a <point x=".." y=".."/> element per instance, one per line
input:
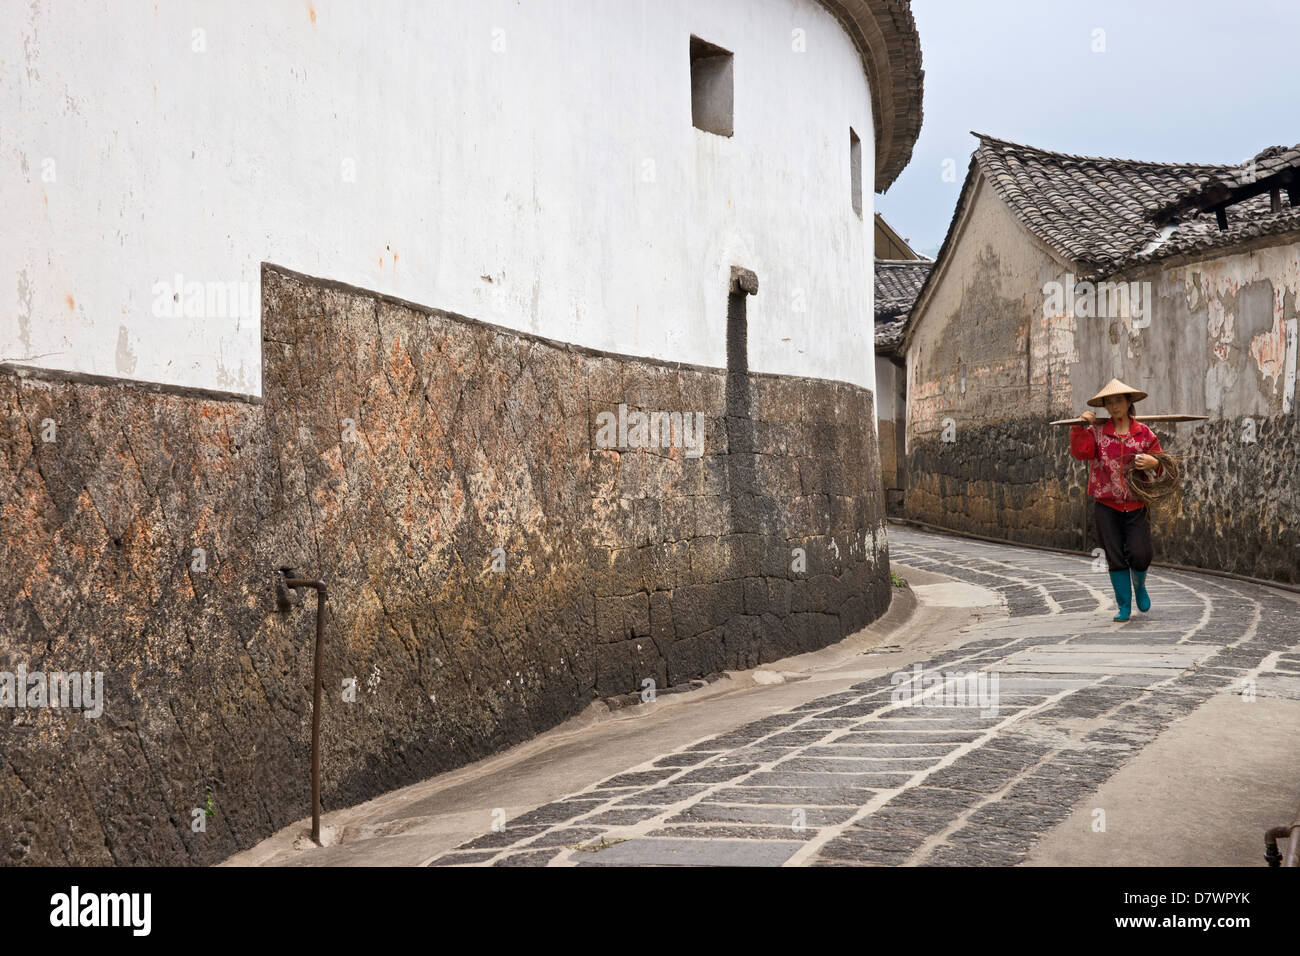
<point x="1123" y="525"/>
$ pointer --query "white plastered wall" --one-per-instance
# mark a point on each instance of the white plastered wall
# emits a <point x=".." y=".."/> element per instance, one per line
<point x="529" y="164"/>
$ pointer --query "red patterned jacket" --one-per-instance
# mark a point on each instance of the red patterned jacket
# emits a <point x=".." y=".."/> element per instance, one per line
<point x="1112" y="456"/>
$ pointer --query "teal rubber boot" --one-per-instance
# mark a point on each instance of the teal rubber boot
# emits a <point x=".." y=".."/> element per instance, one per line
<point x="1140" y="591"/>
<point x="1119" y="580"/>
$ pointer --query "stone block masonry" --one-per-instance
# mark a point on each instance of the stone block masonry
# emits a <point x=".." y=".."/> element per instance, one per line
<point x="1015" y="479"/>
<point x="404" y="455"/>
<point x="1241" y="505"/>
<point x="1012" y="479"/>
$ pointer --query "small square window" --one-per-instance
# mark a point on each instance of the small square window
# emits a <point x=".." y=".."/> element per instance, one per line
<point x="855" y="170"/>
<point x="712" y="88"/>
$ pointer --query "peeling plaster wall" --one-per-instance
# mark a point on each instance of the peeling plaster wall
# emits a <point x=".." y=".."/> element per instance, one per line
<point x="529" y="164"/>
<point x="620" y="566"/>
<point x="982" y="349"/>
<point x="981" y="366"/>
<point x="1219" y="339"/>
<point x="1217" y="343"/>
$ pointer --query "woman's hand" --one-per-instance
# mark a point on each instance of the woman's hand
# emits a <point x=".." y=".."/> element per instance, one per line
<point x="1089" y="417"/>
<point x="1145" y="462"/>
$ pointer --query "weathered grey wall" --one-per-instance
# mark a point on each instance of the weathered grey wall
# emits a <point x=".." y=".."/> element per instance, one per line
<point x="981" y="348"/>
<point x="1011" y="479"/>
<point x="1239" y="512"/>
<point x="1241" y="508"/>
<point x="619" y="566"/>
<point x="981" y="374"/>
<point x="1216" y="343"/>
<point x="988" y="366"/>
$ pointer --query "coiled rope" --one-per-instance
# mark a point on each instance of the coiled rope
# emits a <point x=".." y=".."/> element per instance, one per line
<point x="1150" y="490"/>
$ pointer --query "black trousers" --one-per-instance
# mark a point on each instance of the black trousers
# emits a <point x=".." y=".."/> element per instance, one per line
<point x="1125" y="537"/>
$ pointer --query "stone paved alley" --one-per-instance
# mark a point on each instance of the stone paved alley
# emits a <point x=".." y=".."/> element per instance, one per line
<point x="1083" y="702"/>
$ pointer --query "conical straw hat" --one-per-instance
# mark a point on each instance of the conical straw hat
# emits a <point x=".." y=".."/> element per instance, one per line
<point x="1116" y="387"/>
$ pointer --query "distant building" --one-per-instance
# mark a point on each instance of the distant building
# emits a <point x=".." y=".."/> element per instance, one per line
<point x="1060" y="272"/>
<point x="897" y="283"/>
<point x="889" y="244"/>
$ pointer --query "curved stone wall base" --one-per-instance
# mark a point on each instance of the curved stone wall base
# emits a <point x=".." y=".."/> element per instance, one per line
<point x="491" y="567"/>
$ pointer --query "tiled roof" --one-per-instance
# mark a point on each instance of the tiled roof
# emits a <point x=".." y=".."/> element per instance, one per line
<point x="1102" y="214"/>
<point x="1277" y="165"/>
<point x="889" y="334"/>
<point x="897" y="283"/>
<point x="1091" y="210"/>
<point x="1200" y="232"/>
<point x="884" y="32"/>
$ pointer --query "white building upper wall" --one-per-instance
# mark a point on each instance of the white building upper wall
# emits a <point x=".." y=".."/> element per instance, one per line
<point x="529" y="164"/>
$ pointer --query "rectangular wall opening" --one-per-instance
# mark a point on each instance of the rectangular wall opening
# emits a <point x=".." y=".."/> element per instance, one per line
<point x="712" y="88"/>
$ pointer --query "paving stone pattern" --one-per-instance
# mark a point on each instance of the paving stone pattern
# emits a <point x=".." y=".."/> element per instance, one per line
<point x="862" y="778"/>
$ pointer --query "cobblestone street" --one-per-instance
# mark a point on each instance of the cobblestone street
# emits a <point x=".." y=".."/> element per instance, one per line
<point x="860" y="777"/>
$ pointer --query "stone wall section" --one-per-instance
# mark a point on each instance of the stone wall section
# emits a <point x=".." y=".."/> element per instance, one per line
<point x="396" y="447"/>
<point x="1241" y="506"/>
<point x="1239" y="510"/>
<point x="1012" y="479"/>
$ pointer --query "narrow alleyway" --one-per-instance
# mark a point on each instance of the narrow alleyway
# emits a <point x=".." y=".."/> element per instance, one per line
<point x="858" y="777"/>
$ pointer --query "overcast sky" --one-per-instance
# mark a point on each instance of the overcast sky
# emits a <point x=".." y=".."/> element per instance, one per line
<point x="1178" y="81"/>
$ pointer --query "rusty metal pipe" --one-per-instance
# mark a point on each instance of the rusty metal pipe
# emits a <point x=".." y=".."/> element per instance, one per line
<point x="1289" y="834"/>
<point x="319" y="586"/>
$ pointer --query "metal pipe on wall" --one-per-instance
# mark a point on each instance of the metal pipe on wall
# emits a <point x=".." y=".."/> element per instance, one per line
<point x="283" y="585"/>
